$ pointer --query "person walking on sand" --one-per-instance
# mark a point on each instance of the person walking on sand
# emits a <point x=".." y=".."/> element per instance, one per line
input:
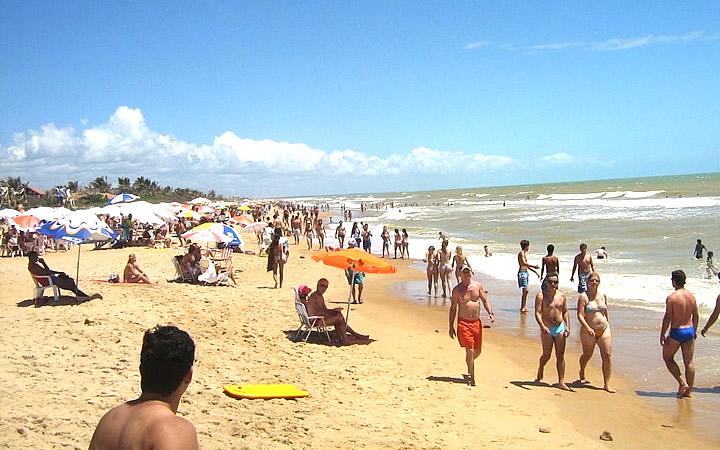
<point x="522" y="276"/>
<point x="320" y="232"/>
<point x="151" y="420"/>
<point x="385" y="235"/>
<point x="552" y="316"/>
<point x="584" y="264"/>
<point x="550" y="265"/>
<point x="713" y="317"/>
<point x="464" y="304"/>
<point x="458" y="261"/>
<point x="681" y="316"/>
<point x="340" y="234"/>
<point x="592" y="313"/>
<point x="431" y="270"/>
<point x="277" y="256"/>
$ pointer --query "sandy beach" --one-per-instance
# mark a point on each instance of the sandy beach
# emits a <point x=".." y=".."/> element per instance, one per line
<point x="66" y="364"/>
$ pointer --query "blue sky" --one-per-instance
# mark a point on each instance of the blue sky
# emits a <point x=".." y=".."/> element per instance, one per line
<point x="291" y="98"/>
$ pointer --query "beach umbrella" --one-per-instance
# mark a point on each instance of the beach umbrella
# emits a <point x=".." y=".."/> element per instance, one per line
<point x="214" y="232"/>
<point x="122" y="198"/>
<point x="25" y="222"/>
<point x="48" y="214"/>
<point x="189" y="214"/>
<point x="244" y="208"/>
<point x="254" y="227"/>
<point x="358" y="261"/>
<point x="242" y="221"/>
<point x="79" y="227"/>
<point x="200" y="201"/>
<point x="8" y="213"/>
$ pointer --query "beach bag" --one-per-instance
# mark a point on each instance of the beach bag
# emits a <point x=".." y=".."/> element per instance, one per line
<point x="113" y="278"/>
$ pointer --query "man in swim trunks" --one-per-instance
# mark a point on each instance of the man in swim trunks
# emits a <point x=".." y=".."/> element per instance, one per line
<point x="151" y="421"/>
<point x="584" y="264"/>
<point x="552" y="315"/>
<point x="465" y="303"/>
<point x="316" y="307"/>
<point x="550" y="265"/>
<point x="681" y="316"/>
<point x="522" y="276"/>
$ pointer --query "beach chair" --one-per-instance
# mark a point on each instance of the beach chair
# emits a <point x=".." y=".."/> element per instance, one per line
<point x="211" y="277"/>
<point x="223" y="260"/>
<point x="43" y="282"/>
<point x="179" y="275"/>
<point x="309" y="323"/>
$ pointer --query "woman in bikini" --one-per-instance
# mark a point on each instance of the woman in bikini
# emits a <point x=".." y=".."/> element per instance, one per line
<point x="398" y="243"/>
<point x="405" y="248"/>
<point x="458" y="261"/>
<point x="592" y="312"/>
<point x="432" y="270"/>
<point x="443" y="264"/>
<point x="385" y="235"/>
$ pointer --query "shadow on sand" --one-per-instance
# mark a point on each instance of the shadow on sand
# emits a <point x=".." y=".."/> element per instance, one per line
<point x="462" y="380"/>
<point x="319" y="338"/>
<point x="64" y="300"/>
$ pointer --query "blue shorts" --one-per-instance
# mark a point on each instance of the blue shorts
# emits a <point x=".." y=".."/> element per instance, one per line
<point x="583" y="282"/>
<point x="683" y="334"/>
<point x="523" y="279"/>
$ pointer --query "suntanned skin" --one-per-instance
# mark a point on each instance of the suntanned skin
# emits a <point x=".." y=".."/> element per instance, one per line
<point x="583" y="263"/>
<point x="550" y="265"/>
<point x="147" y="423"/>
<point x="524" y="266"/>
<point x="550" y="310"/>
<point x="591" y="324"/>
<point x="680" y="311"/>
<point x="713" y="317"/>
<point x="316" y="307"/>
<point x="133" y="273"/>
<point x="38" y="266"/>
<point x="431" y="270"/>
<point x="465" y="304"/>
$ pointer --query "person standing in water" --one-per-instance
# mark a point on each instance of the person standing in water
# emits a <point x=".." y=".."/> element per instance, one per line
<point x="550" y="264"/>
<point x="699" y="247"/>
<point x="552" y="315"/>
<point x="465" y="303"/>
<point x="431" y="270"/>
<point x="458" y="261"/>
<point x="681" y="316"/>
<point x="584" y="264"/>
<point x="522" y="276"/>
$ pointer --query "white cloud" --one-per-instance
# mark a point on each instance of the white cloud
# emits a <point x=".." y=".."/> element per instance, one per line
<point x="558" y="158"/>
<point x="125" y="146"/>
<point x="615" y="44"/>
<point x="476" y="45"/>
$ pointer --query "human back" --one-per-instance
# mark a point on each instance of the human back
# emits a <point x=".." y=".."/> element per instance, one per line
<point x="682" y="305"/>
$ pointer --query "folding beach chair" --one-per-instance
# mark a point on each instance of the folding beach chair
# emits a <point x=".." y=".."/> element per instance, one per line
<point x="179" y="275"/>
<point x="309" y="323"/>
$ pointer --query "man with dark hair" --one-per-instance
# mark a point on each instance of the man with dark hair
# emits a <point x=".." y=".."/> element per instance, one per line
<point x="550" y="265"/>
<point x="150" y="421"/>
<point x="37" y="266"/>
<point x="681" y="316"/>
<point x="522" y="276"/>
<point x="584" y="264"/>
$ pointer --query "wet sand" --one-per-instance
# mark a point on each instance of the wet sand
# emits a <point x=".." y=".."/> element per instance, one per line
<point x="66" y="364"/>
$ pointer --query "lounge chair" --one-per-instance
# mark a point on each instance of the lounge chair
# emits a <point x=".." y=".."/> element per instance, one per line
<point x="179" y="275"/>
<point x="223" y="259"/>
<point x="309" y="323"/>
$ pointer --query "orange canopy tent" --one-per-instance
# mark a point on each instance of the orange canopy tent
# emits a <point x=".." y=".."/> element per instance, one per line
<point x="358" y="261"/>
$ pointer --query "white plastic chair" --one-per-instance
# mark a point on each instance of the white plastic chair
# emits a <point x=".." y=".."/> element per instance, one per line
<point x="43" y="282"/>
<point x="310" y="323"/>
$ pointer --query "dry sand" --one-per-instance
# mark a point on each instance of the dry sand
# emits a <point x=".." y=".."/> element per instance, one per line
<point x="65" y="365"/>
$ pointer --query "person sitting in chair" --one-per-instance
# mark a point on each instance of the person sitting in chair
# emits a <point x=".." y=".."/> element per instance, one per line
<point x="38" y="267"/>
<point x="133" y="273"/>
<point x="190" y="264"/>
<point x="316" y="307"/>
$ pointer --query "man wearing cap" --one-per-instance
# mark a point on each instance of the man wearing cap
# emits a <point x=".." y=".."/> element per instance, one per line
<point x="465" y="302"/>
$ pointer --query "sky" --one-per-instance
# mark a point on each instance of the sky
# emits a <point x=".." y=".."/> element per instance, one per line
<point x="285" y="98"/>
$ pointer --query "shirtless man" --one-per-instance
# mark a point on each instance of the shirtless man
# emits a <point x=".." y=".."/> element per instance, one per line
<point x="151" y="421"/>
<point x="320" y="232"/>
<point x="340" y="234"/>
<point x="295" y="225"/>
<point x="550" y="265"/>
<point x="584" y="264"/>
<point x="464" y="302"/>
<point x="133" y="273"/>
<point x="681" y="316"/>
<point x="316" y="307"/>
<point x="552" y="315"/>
<point x="522" y="276"/>
<point x="713" y="317"/>
<point x="38" y="266"/>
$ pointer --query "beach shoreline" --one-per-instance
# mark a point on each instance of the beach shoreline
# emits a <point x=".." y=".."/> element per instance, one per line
<point x="400" y="391"/>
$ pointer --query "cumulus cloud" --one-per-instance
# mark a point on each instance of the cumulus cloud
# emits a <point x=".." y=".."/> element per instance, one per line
<point x="126" y="146"/>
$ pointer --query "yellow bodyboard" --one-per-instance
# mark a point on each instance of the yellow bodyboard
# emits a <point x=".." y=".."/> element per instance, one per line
<point x="264" y="391"/>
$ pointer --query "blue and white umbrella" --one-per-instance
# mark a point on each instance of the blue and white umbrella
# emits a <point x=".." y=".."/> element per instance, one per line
<point x="122" y="198"/>
<point x="78" y="227"/>
<point x="214" y="232"/>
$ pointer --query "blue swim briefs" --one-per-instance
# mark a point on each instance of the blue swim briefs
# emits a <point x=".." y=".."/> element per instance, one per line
<point x="683" y="334"/>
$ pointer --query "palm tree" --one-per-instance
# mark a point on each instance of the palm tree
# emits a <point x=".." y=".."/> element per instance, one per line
<point x="74" y="186"/>
<point x="100" y="185"/>
<point x="124" y="184"/>
<point x="15" y="190"/>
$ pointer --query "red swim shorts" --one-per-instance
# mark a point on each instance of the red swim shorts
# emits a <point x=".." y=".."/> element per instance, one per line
<point x="469" y="333"/>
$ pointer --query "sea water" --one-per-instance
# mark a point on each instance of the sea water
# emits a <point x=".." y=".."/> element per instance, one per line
<point x="649" y="227"/>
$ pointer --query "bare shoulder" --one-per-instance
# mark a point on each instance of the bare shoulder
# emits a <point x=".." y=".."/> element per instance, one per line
<point x="173" y="432"/>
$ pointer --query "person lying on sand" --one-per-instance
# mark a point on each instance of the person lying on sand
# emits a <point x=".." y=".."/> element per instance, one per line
<point x="133" y="273"/>
<point x="37" y="266"/>
<point x="316" y="307"/>
<point x="151" y="421"/>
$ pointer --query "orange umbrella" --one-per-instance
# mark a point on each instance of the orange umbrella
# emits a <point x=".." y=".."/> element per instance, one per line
<point x="357" y="260"/>
<point x="243" y="220"/>
<point x="26" y="221"/>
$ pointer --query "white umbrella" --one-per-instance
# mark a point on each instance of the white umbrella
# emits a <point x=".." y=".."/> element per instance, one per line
<point x="123" y="198"/>
<point x="48" y="214"/>
<point x="254" y="227"/>
<point x="200" y="200"/>
<point x="8" y="213"/>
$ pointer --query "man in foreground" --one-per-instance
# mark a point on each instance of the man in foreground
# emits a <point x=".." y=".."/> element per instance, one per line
<point x="552" y="315"/>
<point x="316" y="307"/>
<point x="37" y="266"/>
<point x="150" y="421"/>
<point x="464" y="303"/>
<point x="681" y="316"/>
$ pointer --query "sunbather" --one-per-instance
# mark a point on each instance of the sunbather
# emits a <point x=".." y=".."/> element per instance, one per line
<point x="316" y="307"/>
<point x="133" y="273"/>
<point x="38" y="267"/>
<point x="190" y="264"/>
